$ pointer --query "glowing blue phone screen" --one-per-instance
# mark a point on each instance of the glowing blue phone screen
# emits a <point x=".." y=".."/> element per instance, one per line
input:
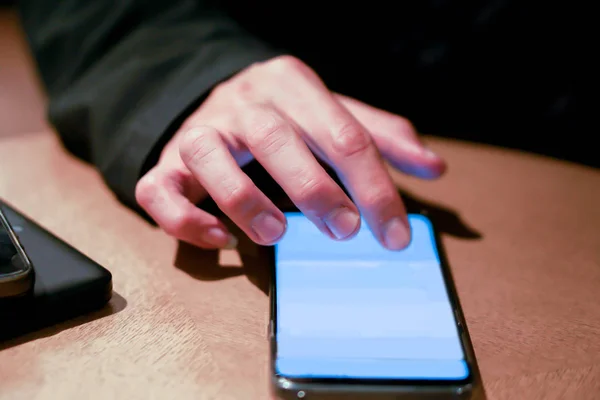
<point x="358" y="311"/>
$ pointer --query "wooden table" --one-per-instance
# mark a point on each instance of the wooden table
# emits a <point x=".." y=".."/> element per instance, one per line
<point x="522" y="234"/>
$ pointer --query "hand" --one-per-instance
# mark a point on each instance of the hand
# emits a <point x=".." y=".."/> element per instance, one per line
<point x="280" y="113"/>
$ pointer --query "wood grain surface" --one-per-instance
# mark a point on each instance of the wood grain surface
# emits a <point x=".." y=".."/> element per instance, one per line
<point x="521" y="233"/>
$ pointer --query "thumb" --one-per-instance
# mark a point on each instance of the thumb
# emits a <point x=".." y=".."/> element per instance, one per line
<point x="396" y="139"/>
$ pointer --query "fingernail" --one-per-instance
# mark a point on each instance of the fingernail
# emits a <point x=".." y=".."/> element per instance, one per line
<point x="429" y="153"/>
<point x="231" y="243"/>
<point x="218" y="236"/>
<point x="412" y="147"/>
<point x="342" y="222"/>
<point x="395" y="234"/>
<point x="419" y="149"/>
<point x="267" y="227"/>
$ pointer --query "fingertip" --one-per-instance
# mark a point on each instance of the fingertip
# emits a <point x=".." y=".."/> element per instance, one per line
<point x="231" y="243"/>
<point x="416" y="160"/>
<point x="396" y="234"/>
<point x="421" y="171"/>
<point x="268" y="228"/>
<point x="220" y="238"/>
<point x="433" y="168"/>
<point x="425" y="155"/>
<point x="343" y="223"/>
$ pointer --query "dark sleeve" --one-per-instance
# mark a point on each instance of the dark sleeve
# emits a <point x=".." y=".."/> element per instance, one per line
<point x="120" y="75"/>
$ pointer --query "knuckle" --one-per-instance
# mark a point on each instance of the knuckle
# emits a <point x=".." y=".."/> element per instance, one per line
<point x="286" y="64"/>
<point x="267" y="133"/>
<point x="351" y="139"/>
<point x="238" y="196"/>
<point x="244" y="88"/>
<point x="378" y="198"/>
<point x="249" y="69"/>
<point x="311" y="190"/>
<point x="220" y="90"/>
<point x="239" y="89"/>
<point x="196" y="145"/>
<point x="146" y="189"/>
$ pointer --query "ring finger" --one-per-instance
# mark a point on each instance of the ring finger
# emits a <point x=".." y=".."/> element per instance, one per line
<point x="276" y="145"/>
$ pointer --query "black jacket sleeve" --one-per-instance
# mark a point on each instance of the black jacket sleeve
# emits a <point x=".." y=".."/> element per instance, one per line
<point x="120" y="75"/>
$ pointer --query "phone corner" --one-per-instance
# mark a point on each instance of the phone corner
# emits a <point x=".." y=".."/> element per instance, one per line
<point x="281" y="389"/>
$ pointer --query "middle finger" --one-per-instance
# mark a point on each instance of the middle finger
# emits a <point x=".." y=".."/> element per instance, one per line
<point x="350" y="150"/>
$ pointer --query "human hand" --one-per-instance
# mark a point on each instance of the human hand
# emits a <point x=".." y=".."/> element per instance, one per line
<point x="280" y="113"/>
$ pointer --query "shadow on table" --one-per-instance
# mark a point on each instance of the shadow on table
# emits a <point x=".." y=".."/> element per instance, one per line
<point x="253" y="260"/>
<point x="479" y="391"/>
<point x="114" y="306"/>
<point x="248" y="259"/>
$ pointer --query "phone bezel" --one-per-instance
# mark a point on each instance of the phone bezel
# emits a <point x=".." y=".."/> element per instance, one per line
<point x="18" y="283"/>
<point x="287" y="387"/>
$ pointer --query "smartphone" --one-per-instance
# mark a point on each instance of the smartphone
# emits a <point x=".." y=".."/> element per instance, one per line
<point x="353" y="320"/>
<point x="16" y="272"/>
<point x="64" y="283"/>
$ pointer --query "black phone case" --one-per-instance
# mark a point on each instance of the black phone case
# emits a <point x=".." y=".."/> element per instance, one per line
<point x="66" y="284"/>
